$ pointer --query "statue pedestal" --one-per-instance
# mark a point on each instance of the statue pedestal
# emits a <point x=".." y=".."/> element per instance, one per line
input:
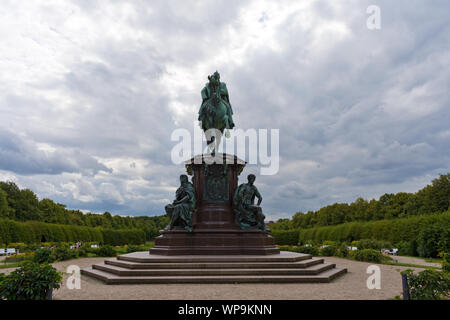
<point x="215" y="231"/>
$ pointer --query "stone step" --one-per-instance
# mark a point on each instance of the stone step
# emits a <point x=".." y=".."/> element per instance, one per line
<point x="144" y="257"/>
<point x="109" y="278"/>
<point x="308" y="262"/>
<point x="123" y="272"/>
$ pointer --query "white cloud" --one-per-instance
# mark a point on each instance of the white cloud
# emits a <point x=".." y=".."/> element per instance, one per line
<point x="90" y="92"/>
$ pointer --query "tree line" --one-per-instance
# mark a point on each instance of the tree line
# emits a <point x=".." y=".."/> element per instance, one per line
<point x="23" y="205"/>
<point x="434" y="198"/>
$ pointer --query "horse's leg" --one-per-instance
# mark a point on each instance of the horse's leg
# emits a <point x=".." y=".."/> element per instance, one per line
<point x="218" y="139"/>
<point x="227" y="132"/>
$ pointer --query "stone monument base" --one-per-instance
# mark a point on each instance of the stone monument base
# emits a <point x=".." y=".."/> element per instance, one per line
<point x="142" y="268"/>
<point x="214" y="242"/>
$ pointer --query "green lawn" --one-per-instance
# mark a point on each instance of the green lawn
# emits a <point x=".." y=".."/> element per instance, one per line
<point x="4" y="265"/>
<point x="391" y="263"/>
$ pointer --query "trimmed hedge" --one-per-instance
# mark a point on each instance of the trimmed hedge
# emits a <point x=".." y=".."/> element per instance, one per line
<point x="37" y="232"/>
<point x="285" y="237"/>
<point x="121" y="237"/>
<point x="393" y="231"/>
<point x="401" y="231"/>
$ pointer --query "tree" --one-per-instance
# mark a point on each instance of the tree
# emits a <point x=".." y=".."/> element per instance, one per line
<point x="4" y="208"/>
<point x="27" y="208"/>
<point x="52" y="212"/>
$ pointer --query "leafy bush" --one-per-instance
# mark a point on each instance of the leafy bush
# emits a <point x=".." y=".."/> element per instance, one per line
<point x="342" y="250"/>
<point x="43" y="255"/>
<point x="31" y="281"/>
<point x="106" y="251"/>
<point x="289" y="237"/>
<point x="407" y="248"/>
<point x="432" y="240"/>
<point x="328" y="251"/>
<point x="428" y="285"/>
<point x="308" y="250"/>
<point x="133" y="248"/>
<point x="62" y="253"/>
<point x="32" y="247"/>
<point x="83" y="252"/>
<point x="368" y="255"/>
<point x="446" y="261"/>
<point x="371" y="244"/>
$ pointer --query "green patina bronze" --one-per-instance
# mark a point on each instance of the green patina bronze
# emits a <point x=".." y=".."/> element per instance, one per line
<point x="215" y="111"/>
<point x="248" y="214"/>
<point x="181" y="209"/>
<point x="215" y="187"/>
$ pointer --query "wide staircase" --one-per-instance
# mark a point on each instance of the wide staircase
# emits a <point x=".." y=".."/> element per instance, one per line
<point x="142" y="267"/>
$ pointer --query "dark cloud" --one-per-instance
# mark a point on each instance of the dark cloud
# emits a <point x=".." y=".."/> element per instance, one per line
<point x="360" y="112"/>
<point x="21" y="156"/>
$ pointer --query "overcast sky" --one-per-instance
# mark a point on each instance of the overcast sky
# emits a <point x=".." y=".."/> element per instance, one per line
<point x="90" y="92"/>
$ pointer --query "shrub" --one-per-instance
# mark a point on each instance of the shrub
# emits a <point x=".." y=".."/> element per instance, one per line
<point x="342" y="251"/>
<point x="368" y="255"/>
<point x="432" y="240"/>
<point x="372" y="244"/>
<point x="62" y="253"/>
<point x="83" y="252"/>
<point x="407" y="248"/>
<point x="446" y="261"/>
<point x="106" y="251"/>
<point x="289" y="237"/>
<point x="32" y="247"/>
<point x="428" y="285"/>
<point x="133" y="248"/>
<point x="328" y="251"/>
<point x="308" y="250"/>
<point x="43" y="255"/>
<point x="32" y="281"/>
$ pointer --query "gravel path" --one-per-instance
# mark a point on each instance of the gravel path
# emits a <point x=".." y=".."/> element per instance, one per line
<point x="349" y="286"/>
<point x="412" y="260"/>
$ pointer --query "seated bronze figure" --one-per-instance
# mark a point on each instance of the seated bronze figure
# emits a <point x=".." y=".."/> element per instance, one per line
<point x="181" y="209"/>
<point x="248" y="214"/>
